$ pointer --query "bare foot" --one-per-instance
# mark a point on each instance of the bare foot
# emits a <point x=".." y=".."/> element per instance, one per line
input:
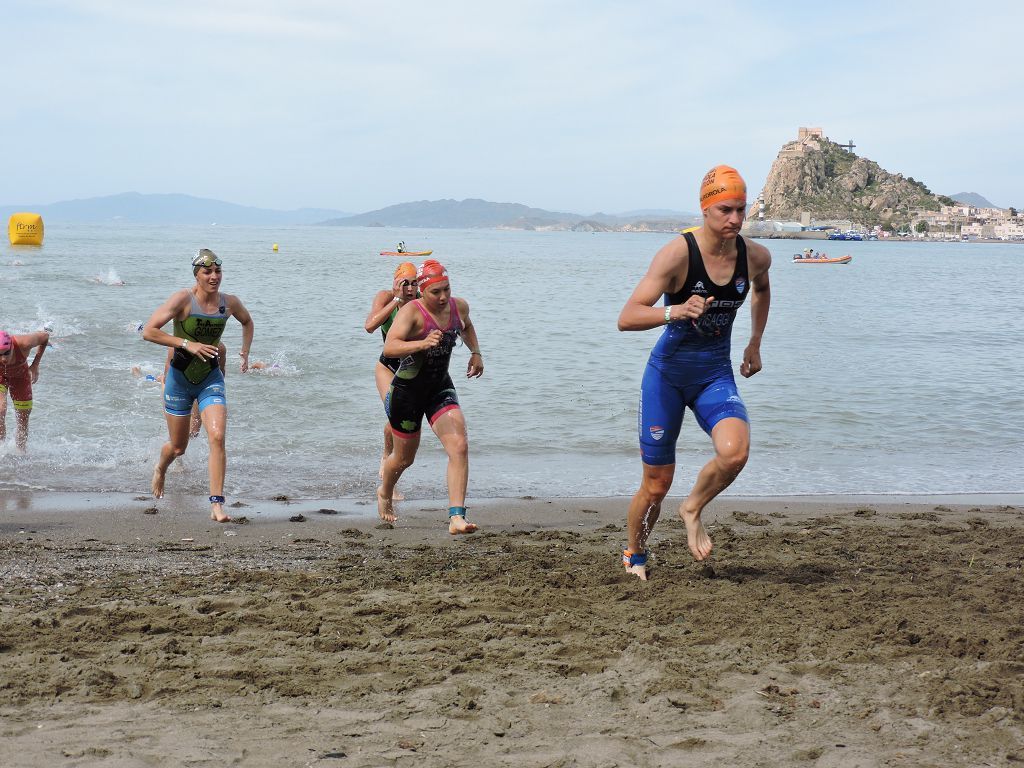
<point x="457" y="524"/>
<point x="217" y="514"/>
<point x="386" y="508"/>
<point x="157" y="483"/>
<point x="696" y="535"/>
<point x="397" y="495"/>
<point x="640" y="571"/>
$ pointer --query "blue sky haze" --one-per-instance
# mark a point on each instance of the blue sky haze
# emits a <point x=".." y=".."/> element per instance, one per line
<point x="566" y="105"/>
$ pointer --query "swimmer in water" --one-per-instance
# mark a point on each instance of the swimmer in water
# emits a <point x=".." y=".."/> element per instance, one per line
<point x="382" y="314"/>
<point x="704" y="277"/>
<point x="199" y="315"/>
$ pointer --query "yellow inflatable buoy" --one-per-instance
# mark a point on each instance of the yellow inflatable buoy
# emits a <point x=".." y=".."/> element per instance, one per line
<point x="25" y="229"/>
<point x="275" y="246"/>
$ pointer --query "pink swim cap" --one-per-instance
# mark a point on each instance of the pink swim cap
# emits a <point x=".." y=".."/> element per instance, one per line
<point x="6" y="341"/>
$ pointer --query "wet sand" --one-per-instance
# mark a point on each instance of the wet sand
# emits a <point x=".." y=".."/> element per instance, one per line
<point x="823" y="632"/>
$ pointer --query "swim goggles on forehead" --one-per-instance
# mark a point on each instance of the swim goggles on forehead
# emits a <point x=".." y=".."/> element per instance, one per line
<point x="205" y="258"/>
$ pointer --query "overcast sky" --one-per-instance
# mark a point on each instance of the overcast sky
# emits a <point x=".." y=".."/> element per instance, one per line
<point x="578" y="105"/>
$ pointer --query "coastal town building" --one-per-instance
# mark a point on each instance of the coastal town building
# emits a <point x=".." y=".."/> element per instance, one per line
<point x="967" y="222"/>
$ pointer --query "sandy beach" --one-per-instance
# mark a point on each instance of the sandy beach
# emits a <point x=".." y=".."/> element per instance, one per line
<point x="824" y="632"/>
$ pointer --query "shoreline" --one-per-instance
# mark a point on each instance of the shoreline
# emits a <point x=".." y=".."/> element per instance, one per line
<point x="19" y="502"/>
<point x="868" y="631"/>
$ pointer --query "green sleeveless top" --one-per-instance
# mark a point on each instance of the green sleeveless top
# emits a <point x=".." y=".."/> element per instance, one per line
<point x="203" y="329"/>
<point x="386" y="325"/>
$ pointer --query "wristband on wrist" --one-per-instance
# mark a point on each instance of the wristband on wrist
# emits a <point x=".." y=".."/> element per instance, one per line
<point x="668" y="314"/>
<point x="475" y="352"/>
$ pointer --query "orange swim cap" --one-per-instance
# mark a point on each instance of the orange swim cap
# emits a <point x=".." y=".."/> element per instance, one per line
<point x="431" y="271"/>
<point x="405" y="270"/>
<point x="722" y="183"/>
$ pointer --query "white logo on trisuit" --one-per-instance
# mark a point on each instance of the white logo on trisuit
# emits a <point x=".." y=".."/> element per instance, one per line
<point x="699" y="286"/>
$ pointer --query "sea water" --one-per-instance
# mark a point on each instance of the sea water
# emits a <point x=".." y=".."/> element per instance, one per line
<point x="898" y="373"/>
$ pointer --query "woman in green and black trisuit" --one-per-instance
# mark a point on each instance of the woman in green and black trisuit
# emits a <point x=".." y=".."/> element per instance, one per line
<point x="199" y="314"/>
<point x="382" y="313"/>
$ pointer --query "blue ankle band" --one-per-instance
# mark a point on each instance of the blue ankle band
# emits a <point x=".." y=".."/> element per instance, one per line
<point x="456" y="511"/>
<point x="216" y="499"/>
<point x="637" y="558"/>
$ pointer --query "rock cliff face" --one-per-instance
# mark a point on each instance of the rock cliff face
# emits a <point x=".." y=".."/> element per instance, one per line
<point x="817" y="175"/>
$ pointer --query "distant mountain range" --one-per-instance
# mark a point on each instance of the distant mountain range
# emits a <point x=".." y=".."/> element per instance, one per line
<point x="135" y="208"/>
<point x="474" y="213"/>
<point x="973" y="199"/>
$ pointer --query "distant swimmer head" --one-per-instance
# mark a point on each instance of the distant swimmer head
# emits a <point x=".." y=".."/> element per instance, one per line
<point x="721" y="183"/>
<point x="431" y="271"/>
<point x="6" y="342"/>
<point x="205" y="258"/>
<point x="406" y="270"/>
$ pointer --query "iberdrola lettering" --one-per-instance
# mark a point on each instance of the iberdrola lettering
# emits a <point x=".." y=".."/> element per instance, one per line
<point x="710" y="192"/>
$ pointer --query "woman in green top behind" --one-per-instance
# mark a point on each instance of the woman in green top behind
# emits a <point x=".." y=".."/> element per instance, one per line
<point x="199" y="315"/>
<point x="382" y="313"/>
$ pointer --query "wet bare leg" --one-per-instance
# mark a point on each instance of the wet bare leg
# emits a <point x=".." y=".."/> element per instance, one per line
<point x="396" y="496"/>
<point x="177" y="432"/>
<point x="400" y="459"/>
<point x="697" y="538"/>
<point x="215" y="420"/>
<point x="385" y="507"/>
<point x="21" y="431"/>
<point x="389" y="447"/>
<point x="383" y="376"/>
<point x="156" y="482"/>
<point x="731" y="438"/>
<point x="645" y="509"/>
<point x="450" y="428"/>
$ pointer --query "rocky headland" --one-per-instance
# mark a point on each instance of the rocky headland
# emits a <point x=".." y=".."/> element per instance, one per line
<point x="818" y="176"/>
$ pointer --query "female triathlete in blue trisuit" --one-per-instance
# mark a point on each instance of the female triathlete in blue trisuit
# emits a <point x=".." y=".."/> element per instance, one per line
<point x="382" y="314"/>
<point x="199" y="315"/>
<point x="704" y="277"/>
